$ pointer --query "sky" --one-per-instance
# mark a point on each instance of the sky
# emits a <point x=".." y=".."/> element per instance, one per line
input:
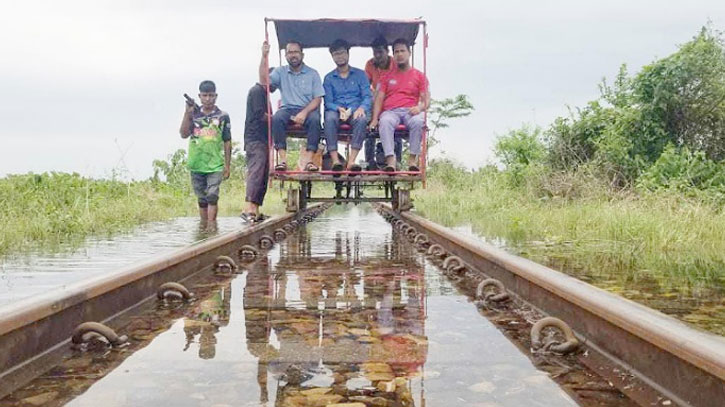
<point x="95" y="87"/>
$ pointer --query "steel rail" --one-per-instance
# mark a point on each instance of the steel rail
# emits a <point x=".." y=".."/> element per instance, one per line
<point x="681" y="363"/>
<point x="35" y="332"/>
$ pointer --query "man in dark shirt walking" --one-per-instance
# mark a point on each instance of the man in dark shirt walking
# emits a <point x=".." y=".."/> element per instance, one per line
<point x="256" y="148"/>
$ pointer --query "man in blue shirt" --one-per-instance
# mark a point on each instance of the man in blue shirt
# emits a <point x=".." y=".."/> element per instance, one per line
<point x="347" y="99"/>
<point x="302" y="93"/>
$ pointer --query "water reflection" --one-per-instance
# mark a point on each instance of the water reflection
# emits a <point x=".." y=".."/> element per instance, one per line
<point x="344" y="326"/>
<point x="343" y="311"/>
<point x="209" y="316"/>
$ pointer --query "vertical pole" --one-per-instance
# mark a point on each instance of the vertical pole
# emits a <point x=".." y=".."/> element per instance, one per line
<point x="272" y="155"/>
<point x="424" y="163"/>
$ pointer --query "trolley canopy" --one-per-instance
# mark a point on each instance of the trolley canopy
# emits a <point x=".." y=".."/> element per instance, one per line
<point x="359" y="33"/>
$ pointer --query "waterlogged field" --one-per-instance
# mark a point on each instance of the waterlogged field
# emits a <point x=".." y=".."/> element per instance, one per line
<point x="47" y="210"/>
<point x="662" y="250"/>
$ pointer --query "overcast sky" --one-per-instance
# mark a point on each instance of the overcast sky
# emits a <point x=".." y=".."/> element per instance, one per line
<point x="96" y="86"/>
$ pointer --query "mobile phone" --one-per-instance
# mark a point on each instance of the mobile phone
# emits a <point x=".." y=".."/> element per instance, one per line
<point x="190" y="101"/>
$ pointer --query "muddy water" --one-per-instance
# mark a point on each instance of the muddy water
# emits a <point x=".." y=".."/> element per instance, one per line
<point x="26" y="274"/>
<point x="340" y="312"/>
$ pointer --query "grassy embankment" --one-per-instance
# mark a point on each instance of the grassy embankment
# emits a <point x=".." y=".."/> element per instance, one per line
<point x="658" y="248"/>
<point x="627" y="234"/>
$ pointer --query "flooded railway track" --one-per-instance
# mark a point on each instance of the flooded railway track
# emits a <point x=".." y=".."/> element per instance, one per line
<point x="349" y="311"/>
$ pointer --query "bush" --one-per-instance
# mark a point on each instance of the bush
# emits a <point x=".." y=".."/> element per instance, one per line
<point x="684" y="171"/>
<point x="678" y="100"/>
<point x="520" y="151"/>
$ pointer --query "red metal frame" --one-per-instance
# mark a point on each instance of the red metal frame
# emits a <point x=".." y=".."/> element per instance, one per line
<point x="423" y="159"/>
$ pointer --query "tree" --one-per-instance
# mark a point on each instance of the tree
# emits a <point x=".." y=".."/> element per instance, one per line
<point x="443" y="110"/>
<point x="678" y="100"/>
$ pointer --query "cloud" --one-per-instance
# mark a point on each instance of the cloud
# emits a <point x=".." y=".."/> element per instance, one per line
<point x="82" y="77"/>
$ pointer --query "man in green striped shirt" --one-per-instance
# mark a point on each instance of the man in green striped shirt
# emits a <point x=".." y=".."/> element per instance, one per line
<point x="210" y="148"/>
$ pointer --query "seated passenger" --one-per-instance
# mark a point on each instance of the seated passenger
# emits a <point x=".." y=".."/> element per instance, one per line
<point x="347" y="99"/>
<point x="378" y="66"/>
<point x="302" y="93"/>
<point x="402" y="97"/>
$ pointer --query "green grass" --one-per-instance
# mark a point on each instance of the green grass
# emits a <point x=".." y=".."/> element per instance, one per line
<point x="627" y="234"/>
<point x="661" y="249"/>
<point x="657" y="248"/>
<point x="45" y="210"/>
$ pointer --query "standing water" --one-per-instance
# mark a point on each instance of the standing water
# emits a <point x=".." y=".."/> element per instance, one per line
<point x="26" y="274"/>
<point x="341" y="313"/>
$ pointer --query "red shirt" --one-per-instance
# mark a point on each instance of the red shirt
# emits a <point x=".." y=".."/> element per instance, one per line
<point x="403" y="88"/>
<point x="374" y="73"/>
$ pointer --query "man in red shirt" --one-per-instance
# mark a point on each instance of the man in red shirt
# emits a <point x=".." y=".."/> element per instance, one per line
<point x="378" y="66"/>
<point x="402" y="96"/>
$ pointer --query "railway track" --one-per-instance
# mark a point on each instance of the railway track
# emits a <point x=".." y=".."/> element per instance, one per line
<point x="656" y="359"/>
<point x="350" y="296"/>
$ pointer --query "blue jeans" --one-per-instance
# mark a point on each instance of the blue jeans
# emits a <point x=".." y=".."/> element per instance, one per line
<point x="279" y="128"/>
<point x="332" y="124"/>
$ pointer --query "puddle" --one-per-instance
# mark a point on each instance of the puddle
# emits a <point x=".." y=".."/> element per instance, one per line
<point x="340" y="312"/>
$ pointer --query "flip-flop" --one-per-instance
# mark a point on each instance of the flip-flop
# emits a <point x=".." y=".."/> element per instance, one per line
<point x="355" y="168"/>
<point x="281" y="167"/>
<point x="337" y="167"/>
<point x="311" y="167"/>
<point x="248" y="217"/>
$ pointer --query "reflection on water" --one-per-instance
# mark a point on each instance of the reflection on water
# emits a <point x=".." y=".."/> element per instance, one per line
<point x="27" y="274"/>
<point x="340" y="312"/>
<point x="337" y="326"/>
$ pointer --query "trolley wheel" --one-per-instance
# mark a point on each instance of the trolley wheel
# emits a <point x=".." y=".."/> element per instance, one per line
<point x="404" y="202"/>
<point x="293" y="199"/>
<point x="303" y="195"/>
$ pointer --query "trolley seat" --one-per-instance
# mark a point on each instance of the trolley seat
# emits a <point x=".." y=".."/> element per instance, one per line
<point x="344" y="132"/>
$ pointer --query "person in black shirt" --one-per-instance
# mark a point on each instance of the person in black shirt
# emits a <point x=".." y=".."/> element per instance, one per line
<point x="256" y="148"/>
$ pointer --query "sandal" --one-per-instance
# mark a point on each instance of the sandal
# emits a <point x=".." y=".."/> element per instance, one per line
<point x="248" y="217"/>
<point x="390" y="169"/>
<point x="281" y="167"/>
<point x="355" y="168"/>
<point x="413" y="168"/>
<point x="310" y="166"/>
<point x="337" y="167"/>
<point x="260" y="218"/>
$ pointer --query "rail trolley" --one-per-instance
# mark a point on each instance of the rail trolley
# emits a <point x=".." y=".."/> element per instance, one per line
<point x="359" y="186"/>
